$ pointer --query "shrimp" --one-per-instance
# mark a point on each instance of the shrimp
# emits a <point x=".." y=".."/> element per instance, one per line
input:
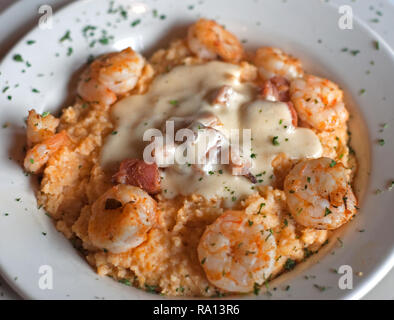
<point x="236" y="253"/>
<point x="273" y="62"/>
<point x="38" y="156"/>
<point x="208" y="40"/>
<point x="121" y="218"/>
<point x="40" y="127"/>
<point x="111" y="75"/>
<point x="319" y="194"/>
<point x="319" y="103"/>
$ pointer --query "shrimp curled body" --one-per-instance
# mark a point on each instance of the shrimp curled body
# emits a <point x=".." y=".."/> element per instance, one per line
<point x="319" y="102"/>
<point x="208" y="40"/>
<point x="319" y="195"/>
<point x="38" y="156"/>
<point x="273" y="62"/>
<point x="111" y="75"/>
<point x="40" y="127"/>
<point x="236" y="253"/>
<point x="121" y="217"/>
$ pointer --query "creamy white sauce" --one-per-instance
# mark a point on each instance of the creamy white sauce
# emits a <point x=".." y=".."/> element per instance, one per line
<point x="186" y="91"/>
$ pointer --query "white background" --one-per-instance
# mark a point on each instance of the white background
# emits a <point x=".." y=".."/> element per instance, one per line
<point x="20" y="18"/>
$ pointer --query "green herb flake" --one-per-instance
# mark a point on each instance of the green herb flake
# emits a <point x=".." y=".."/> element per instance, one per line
<point x="354" y="52"/>
<point x="327" y="212"/>
<point x="67" y="36"/>
<point x="376" y="45"/>
<point x="256" y="288"/>
<point x="289" y="264"/>
<point x="381" y="142"/>
<point x="333" y="163"/>
<point x="320" y="288"/>
<point x="275" y="141"/>
<point x="30" y="42"/>
<point x="125" y="282"/>
<point x="17" y="58"/>
<point x="136" y="23"/>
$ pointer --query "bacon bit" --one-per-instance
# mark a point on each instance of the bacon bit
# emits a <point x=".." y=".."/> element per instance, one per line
<point x="293" y="113"/>
<point x="138" y="173"/>
<point x="223" y="96"/>
<point x="251" y="177"/>
<point x="275" y="89"/>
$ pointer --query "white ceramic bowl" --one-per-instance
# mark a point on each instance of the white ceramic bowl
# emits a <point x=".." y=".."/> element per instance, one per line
<point x="307" y="29"/>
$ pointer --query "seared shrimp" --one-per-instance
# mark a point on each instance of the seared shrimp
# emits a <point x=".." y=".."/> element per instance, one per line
<point x="121" y="217"/>
<point x="38" y="156"/>
<point x="111" y="75"/>
<point x="319" y="194"/>
<point x="273" y="62"/>
<point x="319" y="102"/>
<point x="236" y="253"/>
<point x="40" y="127"/>
<point x="208" y="40"/>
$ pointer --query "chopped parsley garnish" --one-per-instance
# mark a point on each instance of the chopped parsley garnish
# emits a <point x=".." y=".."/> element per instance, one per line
<point x="250" y="223"/>
<point x="174" y="102"/>
<point x="261" y="206"/>
<point x="35" y="90"/>
<point x="203" y="260"/>
<point x="362" y="91"/>
<point x="44" y="114"/>
<point x="381" y="142"/>
<point x="354" y="52"/>
<point x="136" y="22"/>
<point x="30" y="42"/>
<point x="377" y="45"/>
<point x="69" y="51"/>
<point x="327" y="212"/>
<point x="321" y="288"/>
<point x="275" y="141"/>
<point x="125" y="282"/>
<point x="289" y="264"/>
<point x="253" y="155"/>
<point x="66" y="36"/>
<point x="333" y="163"/>
<point x="114" y="132"/>
<point x="256" y="288"/>
<point x="17" y="58"/>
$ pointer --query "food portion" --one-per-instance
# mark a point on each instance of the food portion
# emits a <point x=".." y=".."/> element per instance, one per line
<point x="201" y="171"/>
